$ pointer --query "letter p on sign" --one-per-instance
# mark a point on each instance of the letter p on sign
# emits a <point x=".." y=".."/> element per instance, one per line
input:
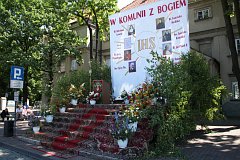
<point x="17" y="73"/>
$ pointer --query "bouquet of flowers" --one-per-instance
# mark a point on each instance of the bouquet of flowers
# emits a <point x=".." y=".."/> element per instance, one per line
<point x="120" y="129"/>
<point x="76" y="92"/>
<point x="133" y="113"/>
<point x="125" y="95"/>
<point x="93" y="96"/>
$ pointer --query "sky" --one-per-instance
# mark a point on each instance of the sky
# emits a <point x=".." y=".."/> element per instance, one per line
<point x="122" y="3"/>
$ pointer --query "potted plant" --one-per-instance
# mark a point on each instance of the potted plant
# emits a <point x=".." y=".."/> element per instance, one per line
<point x="125" y="96"/>
<point x="76" y="93"/>
<point x="49" y="112"/>
<point x="120" y="130"/>
<point x="62" y="108"/>
<point x="34" y="123"/>
<point x="93" y="97"/>
<point x="134" y="114"/>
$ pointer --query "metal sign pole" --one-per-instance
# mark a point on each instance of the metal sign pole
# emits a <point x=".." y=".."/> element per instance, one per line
<point x="16" y="81"/>
<point x="15" y="116"/>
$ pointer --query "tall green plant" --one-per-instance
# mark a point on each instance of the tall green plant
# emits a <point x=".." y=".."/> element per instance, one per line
<point x="191" y="94"/>
<point x="206" y="90"/>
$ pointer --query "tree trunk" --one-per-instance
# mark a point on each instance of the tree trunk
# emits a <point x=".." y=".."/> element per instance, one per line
<point x="97" y="36"/>
<point x="50" y="77"/>
<point x="237" y="15"/>
<point x="231" y="41"/>
<point x="97" y="32"/>
<point x="100" y="53"/>
<point x="91" y="43"/>
<point x="25" y="85"/>
<point x="86" y="20"/>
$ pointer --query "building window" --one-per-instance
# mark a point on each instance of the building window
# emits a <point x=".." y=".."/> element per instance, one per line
<point x="62" y="67"/>
<point x="235" y="90"/>
<point x="237" y="43"/>
<point x="74" y="65"/>
<point x="202" y="14"/>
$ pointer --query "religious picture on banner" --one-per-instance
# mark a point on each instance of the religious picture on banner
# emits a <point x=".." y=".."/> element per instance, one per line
<point x="167" y="49"/>
<point x="127" y="43"/>
<point x="127" y="55"/>
<point x="166" y="35"/>
<point x="131" y="29"/>
<point x="132" y="66"/>
<point x="160" y="23"/>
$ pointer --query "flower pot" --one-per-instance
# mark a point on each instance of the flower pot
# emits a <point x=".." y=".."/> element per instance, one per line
<point x="62" y="109"/>
<point x="49" y="118"/>
<point x="92" y="102"/>
<point x="36" y="129"/>
<point x="122" y="143"/>
<point x="74" y="101"/>
<point x="133" y="126"/>
<point x="126" y="101"/>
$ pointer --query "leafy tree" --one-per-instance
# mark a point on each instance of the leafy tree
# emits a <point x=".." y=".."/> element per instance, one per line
<point x="58" y="42"/>
<point x="230" y="33"/>
<point x="36" y="34"/>
<point x="20" y="35"/>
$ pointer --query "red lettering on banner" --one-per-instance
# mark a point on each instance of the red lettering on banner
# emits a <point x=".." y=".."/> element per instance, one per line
<point x="171" y="6"/>
<point x="132" y="16"/>
<point x="112" y="21"/>
<point x="151" y="12"/>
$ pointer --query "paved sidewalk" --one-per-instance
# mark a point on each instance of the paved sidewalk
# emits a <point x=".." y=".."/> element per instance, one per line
<point x="223" y="143"/>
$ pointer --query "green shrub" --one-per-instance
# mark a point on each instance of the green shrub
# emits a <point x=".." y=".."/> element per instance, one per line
<point x="76" y="78"/>
<point x="191" y="94"/>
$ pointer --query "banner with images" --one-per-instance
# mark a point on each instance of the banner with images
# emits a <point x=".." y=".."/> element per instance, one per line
<point x="161" y="27"/>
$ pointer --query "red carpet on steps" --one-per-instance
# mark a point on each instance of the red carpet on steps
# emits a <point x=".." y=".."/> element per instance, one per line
<point x="63" y="142"/>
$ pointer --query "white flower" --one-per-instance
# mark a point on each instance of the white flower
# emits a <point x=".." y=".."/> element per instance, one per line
<point x="91" y="93"/>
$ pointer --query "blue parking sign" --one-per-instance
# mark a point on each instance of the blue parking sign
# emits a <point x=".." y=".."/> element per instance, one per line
<point x="16" y="77"/>
<point x="17" y="73"/>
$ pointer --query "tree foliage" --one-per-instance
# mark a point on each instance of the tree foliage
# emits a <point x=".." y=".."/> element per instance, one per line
<point x="57" y="43"/>
<point x="19" y="36"/>
<point x="35" y="34"/>
<point x="94" y="14"/>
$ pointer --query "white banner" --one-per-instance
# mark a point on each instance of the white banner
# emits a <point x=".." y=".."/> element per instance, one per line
<point x="161" y="27"/>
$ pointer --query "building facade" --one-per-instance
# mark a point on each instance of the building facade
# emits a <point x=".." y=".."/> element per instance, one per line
<point x="208" y="35"/>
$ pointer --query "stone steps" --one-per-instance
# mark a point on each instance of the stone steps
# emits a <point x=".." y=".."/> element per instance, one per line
<point x="86" y="129"/>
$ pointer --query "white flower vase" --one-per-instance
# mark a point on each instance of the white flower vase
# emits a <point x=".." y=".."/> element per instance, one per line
<point x="126" y="101"/>
<point x="62" y="109"/>
<point x="74" y="102"/>
<point x="133" y="126"/>
<point x="36" y="129"/>
<point x="122" y="143"/>
<point x="92" y="102"/>
<point x="49" y="118"/>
